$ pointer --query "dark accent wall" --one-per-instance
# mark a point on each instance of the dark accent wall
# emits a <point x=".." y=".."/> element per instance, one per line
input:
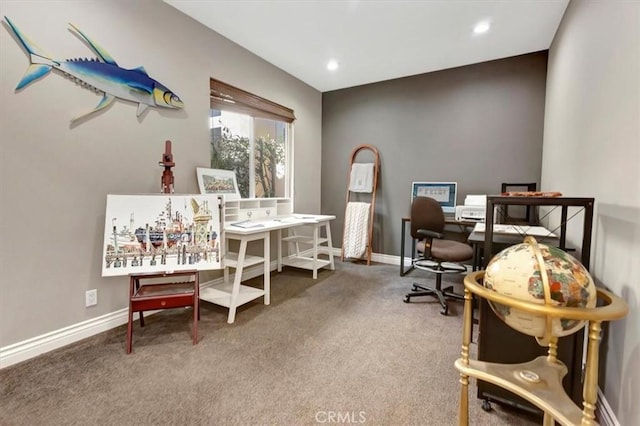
<point x="479" y="125"/>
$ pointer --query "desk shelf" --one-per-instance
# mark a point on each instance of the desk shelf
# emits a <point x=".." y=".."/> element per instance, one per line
<point x="220" y="294"/>
<point x="303" y="262"/>
<point x="304" y="239"/>
<point x="231" y="260"/>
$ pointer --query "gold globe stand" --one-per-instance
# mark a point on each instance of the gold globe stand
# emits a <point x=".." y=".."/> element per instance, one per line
<point x="538" y="381"/>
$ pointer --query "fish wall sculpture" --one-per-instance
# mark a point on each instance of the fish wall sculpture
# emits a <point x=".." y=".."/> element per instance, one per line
<point x="101" y="74"/>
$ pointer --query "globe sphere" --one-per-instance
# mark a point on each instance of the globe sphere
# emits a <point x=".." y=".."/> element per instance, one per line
<point x="542" y="274"/>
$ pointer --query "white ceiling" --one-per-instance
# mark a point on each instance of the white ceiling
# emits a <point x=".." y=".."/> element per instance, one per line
<point x="376" y="40"/>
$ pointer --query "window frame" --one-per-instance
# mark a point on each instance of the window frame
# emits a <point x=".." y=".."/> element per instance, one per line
<point x="225" y="97"/>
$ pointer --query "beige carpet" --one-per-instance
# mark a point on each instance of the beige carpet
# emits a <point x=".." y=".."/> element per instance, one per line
<point x="340" y="349"/>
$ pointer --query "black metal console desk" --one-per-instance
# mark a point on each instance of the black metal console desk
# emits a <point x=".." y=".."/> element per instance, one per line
<point x="497" y="342"/>
<point x="500" y="202"/>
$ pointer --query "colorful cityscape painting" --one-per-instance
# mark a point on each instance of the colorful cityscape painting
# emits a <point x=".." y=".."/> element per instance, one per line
<point x="161" y="233"/>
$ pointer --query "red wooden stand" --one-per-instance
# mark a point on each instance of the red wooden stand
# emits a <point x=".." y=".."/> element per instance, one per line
<point x="153" y="291"/>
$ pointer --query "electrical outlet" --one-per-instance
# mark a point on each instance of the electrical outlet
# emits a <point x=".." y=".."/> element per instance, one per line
<point x="91" y="297"/>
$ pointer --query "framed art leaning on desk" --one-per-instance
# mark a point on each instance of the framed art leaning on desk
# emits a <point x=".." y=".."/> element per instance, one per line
<point x="219" y="182"/>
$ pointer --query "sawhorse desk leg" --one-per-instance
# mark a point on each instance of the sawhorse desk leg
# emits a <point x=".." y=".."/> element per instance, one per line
<point x="237" y="278"/>
<point x="327" y="227"/>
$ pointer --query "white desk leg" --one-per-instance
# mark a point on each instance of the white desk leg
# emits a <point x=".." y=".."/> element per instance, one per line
<point x="279" y="250"/>
<point x="267" y="271"/>
<point x="327" y="227"/>
<point x="236" y="282"/>
<point x="315" y="250"/>
<point x="297" y="244"/>
<point x="226" y="268"/>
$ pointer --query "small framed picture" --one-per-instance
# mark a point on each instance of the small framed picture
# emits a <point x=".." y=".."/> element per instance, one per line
<point x="217" y="181"/>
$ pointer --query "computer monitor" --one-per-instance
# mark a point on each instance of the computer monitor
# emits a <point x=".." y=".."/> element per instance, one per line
<point x="443" y="192"/>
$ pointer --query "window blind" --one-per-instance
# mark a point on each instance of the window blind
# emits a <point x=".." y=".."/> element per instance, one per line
<point x="229" y="98"/>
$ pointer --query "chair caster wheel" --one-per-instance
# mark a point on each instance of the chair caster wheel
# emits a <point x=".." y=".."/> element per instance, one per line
<point x="406" y="299"/>
<point x="445" y="312"/>
<point x="486" y="405"/>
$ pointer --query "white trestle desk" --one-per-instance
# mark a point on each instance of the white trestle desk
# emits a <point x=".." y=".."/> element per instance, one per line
<point x="234" y="294"/>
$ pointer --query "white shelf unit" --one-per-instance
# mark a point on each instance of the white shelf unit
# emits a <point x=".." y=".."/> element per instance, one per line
<point x="220" y="294"/>
<point x="231" y="260"/>
<point x="256" y="208"/>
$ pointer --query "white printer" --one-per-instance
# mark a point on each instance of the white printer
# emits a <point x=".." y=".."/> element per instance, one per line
<point x="474" y="208"/>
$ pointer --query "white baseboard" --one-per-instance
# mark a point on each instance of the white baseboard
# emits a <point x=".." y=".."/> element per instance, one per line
<point x="377" y="257"/>
<point x="22" y="351"/>
<point x="604" y="413"/>
<point x="30" y="348"/>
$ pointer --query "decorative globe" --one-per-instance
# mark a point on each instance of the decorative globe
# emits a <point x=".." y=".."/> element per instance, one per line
<point x="542" y="274"/>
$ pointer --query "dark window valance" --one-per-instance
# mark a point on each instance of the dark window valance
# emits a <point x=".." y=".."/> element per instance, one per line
<point x="226" y="97"/>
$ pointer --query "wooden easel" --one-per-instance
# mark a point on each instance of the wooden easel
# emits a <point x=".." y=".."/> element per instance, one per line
<point x="163" y="291"/>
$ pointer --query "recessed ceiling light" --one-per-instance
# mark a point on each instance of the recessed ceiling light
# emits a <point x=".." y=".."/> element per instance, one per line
<point x="481" y="27"/>
<point x="332" y="65"/>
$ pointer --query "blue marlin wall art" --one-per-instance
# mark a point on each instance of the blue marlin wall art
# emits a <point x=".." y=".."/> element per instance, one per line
<point x="101" y="74"/>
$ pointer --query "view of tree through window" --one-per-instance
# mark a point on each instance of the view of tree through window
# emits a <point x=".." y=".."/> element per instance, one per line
<point x="250" y="135"/>
<point x="232" y="135"/>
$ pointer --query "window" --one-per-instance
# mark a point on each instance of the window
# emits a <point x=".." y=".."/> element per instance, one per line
<point x="251" y="136"/>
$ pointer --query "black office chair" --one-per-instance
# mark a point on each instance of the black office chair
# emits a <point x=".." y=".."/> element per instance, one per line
<point x="435" y="254"/>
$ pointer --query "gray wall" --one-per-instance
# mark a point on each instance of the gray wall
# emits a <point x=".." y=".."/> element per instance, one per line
<point x="478" y="125"/>
<point x="592" y="148"/>
<point x="55" y="177"/>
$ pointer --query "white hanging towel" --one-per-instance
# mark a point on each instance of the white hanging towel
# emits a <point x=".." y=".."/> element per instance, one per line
<point x="356" y="227"/>
<point x="361" y="178"/>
